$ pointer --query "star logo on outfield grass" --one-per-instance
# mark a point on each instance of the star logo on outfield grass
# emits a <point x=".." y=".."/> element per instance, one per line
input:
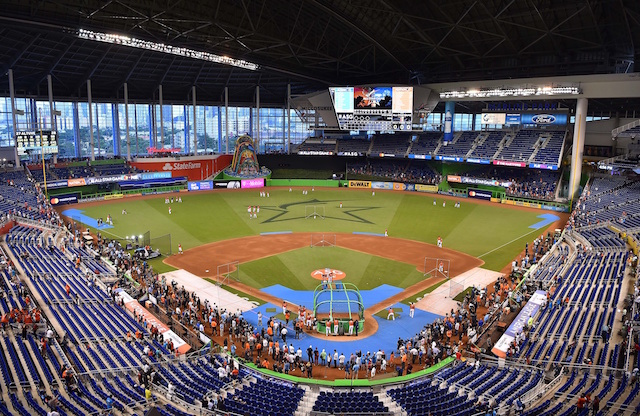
<point x="295" y="211"/>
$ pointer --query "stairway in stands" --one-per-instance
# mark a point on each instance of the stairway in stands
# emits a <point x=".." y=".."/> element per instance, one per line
<point x="306" y="404"/>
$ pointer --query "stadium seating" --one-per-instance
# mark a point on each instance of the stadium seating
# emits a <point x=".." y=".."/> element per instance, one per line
<point x="96" y="326"/>
<point x="353" y="146"/>
<point x="426" y="143"/>
<point x="459" y="146"/>
<point x="388" y="144"/>
<point x="550" y="149"/>
<point x="316" y="146"/>
<point x="334" y="402"/>
<point x="487" y="147"/>
<point x="520" y="147"/>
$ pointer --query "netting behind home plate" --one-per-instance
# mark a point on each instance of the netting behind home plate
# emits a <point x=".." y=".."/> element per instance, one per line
<point x="455" y="289"/>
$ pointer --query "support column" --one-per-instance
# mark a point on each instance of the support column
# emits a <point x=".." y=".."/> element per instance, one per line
<point x="257" y="132"/>
<point x="226" y="118"/>
<point x="52" y="112"/>
<point x="449" y="111"/>
<point x="126" y="120"/>
<point x="195" y="125"/>
<point x="12" y="96"/>
<point x="91" y="149"/>
<point x="288" y="119"/>
<point x="161" y="119"/>
<point x="579" y="128"/>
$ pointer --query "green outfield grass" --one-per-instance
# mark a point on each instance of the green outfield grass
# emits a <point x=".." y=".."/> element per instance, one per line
<point x="293" y="269"/>
<point x="204" y="217"/>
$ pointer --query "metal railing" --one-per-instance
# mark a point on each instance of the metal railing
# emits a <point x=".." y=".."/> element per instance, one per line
<point x="617" y="131"/>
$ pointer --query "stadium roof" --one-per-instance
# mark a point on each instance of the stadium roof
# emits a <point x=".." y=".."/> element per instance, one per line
<point x="311" y="44"/>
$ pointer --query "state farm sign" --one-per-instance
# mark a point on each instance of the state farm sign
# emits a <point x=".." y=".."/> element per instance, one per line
<point x="196" y="169"/>
<point x="181" y="166"/>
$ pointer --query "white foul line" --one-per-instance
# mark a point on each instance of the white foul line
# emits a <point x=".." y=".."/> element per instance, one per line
<point x="115" y="235"/>
<point x="515" y="239"/>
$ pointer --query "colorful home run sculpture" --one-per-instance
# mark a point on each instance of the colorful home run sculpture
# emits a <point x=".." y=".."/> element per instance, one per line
<point x="245" y="161"/>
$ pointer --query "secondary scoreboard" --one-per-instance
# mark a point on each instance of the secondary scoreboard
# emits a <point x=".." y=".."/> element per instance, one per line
<point x="32" y="142"/>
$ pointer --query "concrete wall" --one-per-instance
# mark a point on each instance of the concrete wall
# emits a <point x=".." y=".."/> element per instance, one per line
<point x="598" y="133"/>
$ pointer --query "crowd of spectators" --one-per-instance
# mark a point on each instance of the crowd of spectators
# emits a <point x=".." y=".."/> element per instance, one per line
<point x="395" y="170"/>
<point x="536" y="184"/>
<point x="525" y="183"/>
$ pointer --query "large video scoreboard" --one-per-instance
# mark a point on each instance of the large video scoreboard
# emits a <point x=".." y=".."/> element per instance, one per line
<point x="31" y="142"/>
<point x="373" y="108"/>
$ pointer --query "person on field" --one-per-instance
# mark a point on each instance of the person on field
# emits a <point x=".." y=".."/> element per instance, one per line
<point x="391" y="315"/>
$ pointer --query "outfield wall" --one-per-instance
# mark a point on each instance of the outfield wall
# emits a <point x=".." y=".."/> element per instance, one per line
<point x="330" y="183"/>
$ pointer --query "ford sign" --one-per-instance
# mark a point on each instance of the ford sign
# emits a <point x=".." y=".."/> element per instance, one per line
<point x="543" y="119"/>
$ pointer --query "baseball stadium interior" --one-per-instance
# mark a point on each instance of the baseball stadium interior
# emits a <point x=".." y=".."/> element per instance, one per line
<point x="319" y="207"/>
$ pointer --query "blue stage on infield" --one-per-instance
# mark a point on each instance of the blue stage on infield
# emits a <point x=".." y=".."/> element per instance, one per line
<point x="385" y="338"/>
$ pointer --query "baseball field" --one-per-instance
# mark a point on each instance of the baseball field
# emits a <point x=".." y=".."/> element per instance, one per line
<point x="491" y="232"/>
<point x="277" y="251"/>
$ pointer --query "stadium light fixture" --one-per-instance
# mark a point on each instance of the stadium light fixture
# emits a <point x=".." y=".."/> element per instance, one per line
<point x="510" y="92"/>
<point x="161" y="47"/>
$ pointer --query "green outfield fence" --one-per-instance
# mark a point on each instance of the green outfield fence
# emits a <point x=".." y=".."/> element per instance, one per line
<point x="115" y="193"/>
<point x="330" y="183"/>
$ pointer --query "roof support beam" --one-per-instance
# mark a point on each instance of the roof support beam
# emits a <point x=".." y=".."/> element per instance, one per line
<point x="14" y="60"/>
<point x="57" y="60"/>
<point x="364" y="34"/>
<point x="93" y="69"/>
<point x="125" y="79"/>
<point x="450" y="30"/>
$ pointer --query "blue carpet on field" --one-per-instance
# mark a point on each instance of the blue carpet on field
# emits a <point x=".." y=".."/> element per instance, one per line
<point x="78" y="215"/>
<point x="547" y="219"/>
<point x="305" y="297"/>
<point x="385" y="338"/>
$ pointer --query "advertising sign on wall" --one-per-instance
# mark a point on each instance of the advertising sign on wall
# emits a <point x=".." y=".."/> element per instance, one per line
<point x="192" y="167"/>
<point x="57" y="184"/>
<point x="426" y="188"/>
<point x="76" y="182"/>
<point x="359" y="184"/>
<point x="509" y="163"/>
<point x="493" y="118"/>
<point x="227" y="184"/>
<point x="200" y="186"/>
<point x="542" y="166"/>
<point x="529" y="310"/>
<point x="477" y="181"/>
<point x="544" y="119"/>
<point x="479" y="194"/>
<point x="64" y="199"/>
<point x="480" y="161"/>
<point x="450" y="158"/>
<point x="513" y="119"/>
<point x="252" y="183"/>
<point x="425" y="157"/>
<point x="136" y="308"/>
<point x="382" y="185"/>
